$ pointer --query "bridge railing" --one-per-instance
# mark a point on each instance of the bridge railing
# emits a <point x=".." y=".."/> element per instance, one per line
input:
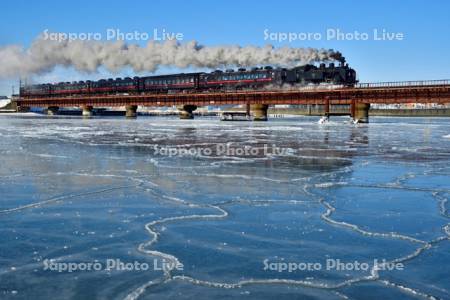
<point x="404" y="83"/>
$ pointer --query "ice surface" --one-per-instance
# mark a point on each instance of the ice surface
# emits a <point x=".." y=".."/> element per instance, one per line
<point x="83" y="190"/>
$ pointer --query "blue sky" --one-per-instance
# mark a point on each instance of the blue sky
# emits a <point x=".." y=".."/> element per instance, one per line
<point x="422" y="54"/>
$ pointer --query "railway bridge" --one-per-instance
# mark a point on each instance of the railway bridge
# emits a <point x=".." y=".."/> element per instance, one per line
<point x="357" y="98"/>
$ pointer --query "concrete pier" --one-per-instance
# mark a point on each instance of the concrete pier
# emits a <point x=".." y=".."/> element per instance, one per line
<point x="360" y="112"/>
<point x="131" y="111"/>
<point x="259" y="112"/>
<point x="186" y="111"/>
<point x="52" y="110"/>
<point x="87" y="111"/>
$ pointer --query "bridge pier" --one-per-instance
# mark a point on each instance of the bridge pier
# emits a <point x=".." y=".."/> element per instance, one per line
<point x="259" y="112"/>
<point x="186" y="111"/>
<point x="131" y="111"/>
<point x="18" y="108"/>
<point x="360" y="112"/>
<point x="22" y="108"/>
<point x="87" y="110"/>
<point x="52" y="110"/>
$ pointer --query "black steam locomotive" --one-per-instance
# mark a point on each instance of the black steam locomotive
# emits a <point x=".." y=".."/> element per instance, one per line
<point x="229" y="80"/>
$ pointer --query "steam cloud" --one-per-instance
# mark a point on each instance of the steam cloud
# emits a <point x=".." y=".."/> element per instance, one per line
<point x="87" y="56"/>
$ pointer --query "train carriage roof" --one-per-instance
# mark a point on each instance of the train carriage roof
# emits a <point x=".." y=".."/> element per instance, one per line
<point x="171" y="75"/>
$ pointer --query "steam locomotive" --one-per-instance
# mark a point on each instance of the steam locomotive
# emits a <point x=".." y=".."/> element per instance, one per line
<point x="228" y="80"/>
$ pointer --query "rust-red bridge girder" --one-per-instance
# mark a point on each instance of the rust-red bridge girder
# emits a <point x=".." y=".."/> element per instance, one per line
<point x="363" y="94"/>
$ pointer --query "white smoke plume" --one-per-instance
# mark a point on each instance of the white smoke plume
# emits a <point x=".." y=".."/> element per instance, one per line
<point x="87" y="56"/>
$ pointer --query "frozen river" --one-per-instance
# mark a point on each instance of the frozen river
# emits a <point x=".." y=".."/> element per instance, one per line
<point x="161" y="208"/>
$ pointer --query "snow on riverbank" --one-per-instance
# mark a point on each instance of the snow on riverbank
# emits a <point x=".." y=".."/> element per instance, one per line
<point x="5" y="102"/>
